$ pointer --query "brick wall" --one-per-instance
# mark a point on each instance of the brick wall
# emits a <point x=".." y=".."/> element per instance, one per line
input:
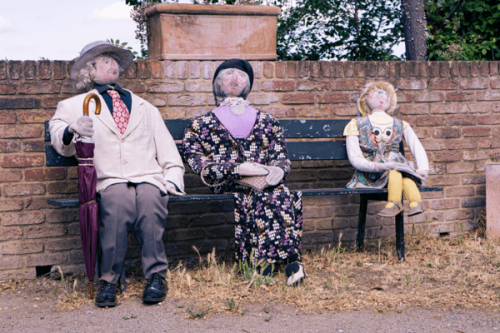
<point x="453" y="107"/>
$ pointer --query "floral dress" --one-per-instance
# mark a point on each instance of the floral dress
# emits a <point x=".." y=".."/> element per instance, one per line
<point x="379" y="146"/>
<point x="268" y="223"/>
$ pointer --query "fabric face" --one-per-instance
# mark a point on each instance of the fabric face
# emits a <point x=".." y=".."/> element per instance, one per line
<point x="233" y="82"/>
<point x="379" y="100"/>
<point x="106" y="70"/>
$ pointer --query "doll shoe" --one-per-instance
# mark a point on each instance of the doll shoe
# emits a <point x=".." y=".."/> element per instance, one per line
<point x="295" y="273"/>
<point x="416" y="210"/>
<point x="391" y="211"/>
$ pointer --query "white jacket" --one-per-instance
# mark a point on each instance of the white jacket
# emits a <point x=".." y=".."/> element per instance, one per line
<point x="146" y="149"/>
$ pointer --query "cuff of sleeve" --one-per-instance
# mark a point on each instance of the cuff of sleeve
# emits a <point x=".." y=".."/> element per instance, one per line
<point x="67" y="137"/>
<point x="234" y="171"/>
<point x="176" y="187"/>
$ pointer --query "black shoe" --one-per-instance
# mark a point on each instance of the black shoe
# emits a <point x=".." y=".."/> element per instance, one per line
<point x="156" y="289"/>
<point x="106" y="296"/>
<point x="295" y="273"/>
<point x="268" y="271"/>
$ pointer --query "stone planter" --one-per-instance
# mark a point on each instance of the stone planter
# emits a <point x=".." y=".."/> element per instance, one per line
<point x="493" y="198"/>
<point x="212" y="32"/>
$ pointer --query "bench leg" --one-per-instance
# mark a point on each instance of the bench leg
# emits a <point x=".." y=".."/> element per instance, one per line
<point x="400" y="236"/>
<point x="363" y="208"/>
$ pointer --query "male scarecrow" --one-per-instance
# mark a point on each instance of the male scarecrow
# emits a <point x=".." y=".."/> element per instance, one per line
<point x="136" y="161"/>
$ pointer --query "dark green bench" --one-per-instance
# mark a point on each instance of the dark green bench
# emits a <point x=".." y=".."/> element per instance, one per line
<point x="310" y="149"/>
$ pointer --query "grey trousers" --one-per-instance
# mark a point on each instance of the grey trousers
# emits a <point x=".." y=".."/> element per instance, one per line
<point x="125" y="207"/>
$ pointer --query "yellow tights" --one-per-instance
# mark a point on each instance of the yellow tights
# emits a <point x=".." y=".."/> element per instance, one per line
<point x="398" y="185"/>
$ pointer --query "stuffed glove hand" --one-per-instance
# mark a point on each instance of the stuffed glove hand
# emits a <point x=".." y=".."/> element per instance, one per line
<point x="252" y="169"/>
<point x="275" y="175"/>
<point x="423" y="173"/>
<point x="381" y="167"/>
<point x="171" y="188"/>
<point x="84" y="126"/>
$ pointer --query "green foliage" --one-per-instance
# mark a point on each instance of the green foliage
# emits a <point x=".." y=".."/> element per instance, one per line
<point x="463" y="30"/>
<point x="197" y="315"/>
<point x="122" y="46"/>
<point x="339" y="29"/>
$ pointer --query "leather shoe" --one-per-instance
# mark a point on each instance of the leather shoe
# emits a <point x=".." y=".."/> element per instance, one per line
<point x="391" y="211"/>
<point x="156" y="289"/>
<point x="416" y="210"/>
<point x="106" y="296"/>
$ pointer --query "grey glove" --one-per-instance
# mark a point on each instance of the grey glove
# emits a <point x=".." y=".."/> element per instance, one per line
<point x="275" y="175"/>
<point x="252" y="169"/>
<point x="84" y="126"/>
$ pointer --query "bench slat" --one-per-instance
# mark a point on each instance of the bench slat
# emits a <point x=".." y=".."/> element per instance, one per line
<point x="297" y="151"/>
<point x="54" y="159"/>
<point x="328" y="128"/>
<point x="322" y="150"/>
<point x="325" y="128"/>
<point x="206" y="197"/>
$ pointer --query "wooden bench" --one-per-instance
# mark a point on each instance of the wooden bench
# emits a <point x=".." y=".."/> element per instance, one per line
<point x="309" y="148"/>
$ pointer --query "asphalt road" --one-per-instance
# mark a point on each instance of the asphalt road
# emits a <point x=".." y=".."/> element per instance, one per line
<point x="25" y="313"/>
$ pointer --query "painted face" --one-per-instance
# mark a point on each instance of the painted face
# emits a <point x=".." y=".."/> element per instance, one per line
<point x="106" y="71"/>
<point x="379" y="100"/>
<point x="234" y="81"/>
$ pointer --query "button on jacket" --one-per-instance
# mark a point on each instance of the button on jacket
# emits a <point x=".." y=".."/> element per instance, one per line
<point x="145" y="149"/>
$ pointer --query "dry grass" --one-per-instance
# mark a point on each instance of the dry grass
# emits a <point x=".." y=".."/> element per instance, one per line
<point x="449" y="272"/>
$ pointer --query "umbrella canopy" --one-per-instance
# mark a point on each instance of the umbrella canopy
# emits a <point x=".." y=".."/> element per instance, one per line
<point x="89" y="223"/>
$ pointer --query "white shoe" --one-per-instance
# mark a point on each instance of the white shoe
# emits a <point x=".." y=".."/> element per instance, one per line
<point x="295" y="273"/>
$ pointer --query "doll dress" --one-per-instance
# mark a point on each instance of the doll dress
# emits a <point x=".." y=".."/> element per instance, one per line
<point x="380" y="151"/>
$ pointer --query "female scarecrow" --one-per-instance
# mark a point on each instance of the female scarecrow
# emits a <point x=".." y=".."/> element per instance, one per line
<point x="373" y="143"/>
<point x="236" y="141"/>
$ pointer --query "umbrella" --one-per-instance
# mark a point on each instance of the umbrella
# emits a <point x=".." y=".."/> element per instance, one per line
<point x="87" y="182"/>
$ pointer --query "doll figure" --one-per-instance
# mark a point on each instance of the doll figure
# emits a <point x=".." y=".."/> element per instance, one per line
<point x="373" y="143"/>
<point x="234" y="141"/>
<point x="137" y="165"/>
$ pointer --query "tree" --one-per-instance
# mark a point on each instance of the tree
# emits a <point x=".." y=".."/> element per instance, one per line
<point x="414" y="29"/>
<point x="319" y="29"/>
<point x="463" y="30"/>
<point x="339" y="29"/>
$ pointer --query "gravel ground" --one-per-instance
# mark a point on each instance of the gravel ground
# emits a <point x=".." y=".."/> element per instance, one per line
<point x="22" y="312"/>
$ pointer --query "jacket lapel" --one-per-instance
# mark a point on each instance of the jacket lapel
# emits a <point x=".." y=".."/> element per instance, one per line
<point x="135" y="115"/>
<point x="105" y="115"/>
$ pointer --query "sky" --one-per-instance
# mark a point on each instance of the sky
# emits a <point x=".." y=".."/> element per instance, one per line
<point x="59" y="29"/>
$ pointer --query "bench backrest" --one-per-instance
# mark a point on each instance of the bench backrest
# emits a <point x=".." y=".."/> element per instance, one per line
<point x="310" y="149"/>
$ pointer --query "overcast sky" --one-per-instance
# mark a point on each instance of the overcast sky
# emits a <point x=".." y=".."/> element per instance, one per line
<point x="59" y="29"/>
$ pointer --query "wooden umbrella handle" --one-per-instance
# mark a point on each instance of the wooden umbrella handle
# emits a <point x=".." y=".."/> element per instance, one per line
<point x="86" y="104"/>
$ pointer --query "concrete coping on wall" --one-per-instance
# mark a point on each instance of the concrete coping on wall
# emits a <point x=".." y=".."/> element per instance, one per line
<point x="174" y="8"/>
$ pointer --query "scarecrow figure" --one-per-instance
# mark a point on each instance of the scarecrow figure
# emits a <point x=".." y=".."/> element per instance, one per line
<point x="234" y="143"/>
<point x="373" y="143"/>
<point x="136" y="161"/>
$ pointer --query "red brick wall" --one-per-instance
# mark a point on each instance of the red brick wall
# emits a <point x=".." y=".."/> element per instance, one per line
<point x="453" y="107"/>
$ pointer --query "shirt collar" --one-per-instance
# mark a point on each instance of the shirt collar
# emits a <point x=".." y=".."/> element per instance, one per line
<point x="103" y="88"/>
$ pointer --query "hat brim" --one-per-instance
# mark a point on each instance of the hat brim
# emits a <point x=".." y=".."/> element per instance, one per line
<point x="124" y="57"/>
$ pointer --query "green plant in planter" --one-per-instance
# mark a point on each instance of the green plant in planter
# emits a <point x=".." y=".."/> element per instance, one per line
<point x="495" y="157"/>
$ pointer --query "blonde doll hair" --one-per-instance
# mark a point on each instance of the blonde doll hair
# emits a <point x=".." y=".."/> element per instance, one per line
<point x="363" y="98"/>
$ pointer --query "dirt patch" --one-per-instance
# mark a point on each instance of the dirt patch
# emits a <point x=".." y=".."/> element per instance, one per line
<point x="445" y="273"/>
